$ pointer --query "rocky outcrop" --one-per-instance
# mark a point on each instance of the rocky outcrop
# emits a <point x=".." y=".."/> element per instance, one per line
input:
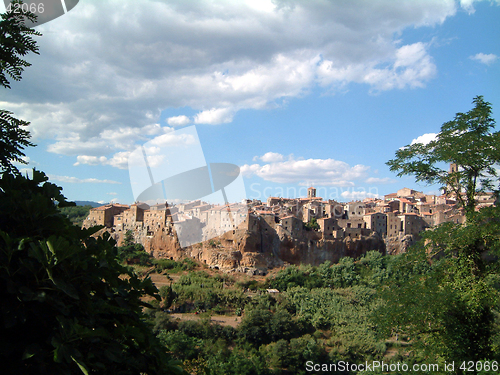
<point x="400" y="244"/>
<point x="256" y="251"/>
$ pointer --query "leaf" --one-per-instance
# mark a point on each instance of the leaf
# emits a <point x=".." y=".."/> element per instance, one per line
<point x="81" y="366"/>
<point x="66" y="288"/>
<point x="31" y="351"/>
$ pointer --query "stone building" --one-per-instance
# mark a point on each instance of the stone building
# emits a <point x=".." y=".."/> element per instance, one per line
<point x="411" y="223"/>
<point x="377" y="222"/>
<point x="104" y="215"/>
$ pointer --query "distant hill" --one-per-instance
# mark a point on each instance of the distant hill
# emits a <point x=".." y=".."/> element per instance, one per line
<point x="89" y="203"/>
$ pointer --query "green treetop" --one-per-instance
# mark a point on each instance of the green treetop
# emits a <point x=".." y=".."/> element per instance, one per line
<point x="469" y="142"/>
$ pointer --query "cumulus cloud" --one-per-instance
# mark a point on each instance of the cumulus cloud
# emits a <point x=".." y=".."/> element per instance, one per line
<point x="178" y="120"/>
<point x="271" y="157"/>
<point x="214" y="116"/>
<point x="326" y="172"/>
<point x="425" y="138"/>
<point x="76" y="180"/>
<point x="27" y="162"/>
<point x="487" y="59"/>
<point x="100" y="82"/>
<point x="411" y="66"/>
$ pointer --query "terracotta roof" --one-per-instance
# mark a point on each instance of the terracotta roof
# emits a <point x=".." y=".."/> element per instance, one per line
<point x="404" y="200"/>
<point x="101" y="208"/>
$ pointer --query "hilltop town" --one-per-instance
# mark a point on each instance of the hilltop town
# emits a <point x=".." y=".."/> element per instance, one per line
<point x="252" y="236"/>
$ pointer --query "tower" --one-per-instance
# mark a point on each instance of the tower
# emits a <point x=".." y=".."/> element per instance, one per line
<point x="311" y="192"/>
<point x="453" y="180"/>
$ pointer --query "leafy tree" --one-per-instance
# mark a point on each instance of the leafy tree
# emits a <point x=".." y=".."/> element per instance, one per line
<point x="65" y="306"/>
<point x="128" y="239"/>
<point x="450" y="307"/>
<point x="312" y="224"/>
<point x="16" y="41"/>
<point x="469" y="142"/>
<point x="76" y="213"/>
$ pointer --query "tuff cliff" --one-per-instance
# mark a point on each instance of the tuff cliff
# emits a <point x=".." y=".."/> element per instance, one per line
<point x="255" y="249"/>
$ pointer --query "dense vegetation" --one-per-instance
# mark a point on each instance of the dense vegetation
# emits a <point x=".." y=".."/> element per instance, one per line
<point x="66" y="303"/>
<point x="324" y="314"/>
<point x="69" y="304"/>
<point x="76" y="214"/>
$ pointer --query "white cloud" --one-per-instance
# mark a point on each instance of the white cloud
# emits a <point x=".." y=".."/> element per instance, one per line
<point x="90" y="160"/>
<point x="76" y="180"/>
<point x="214" y="116"/>
<point x="425" y="138"/>
<point x="487" y="59"/>
<point x="326" y="172"/>
<point x="121" y="159"/>
<point x="98" y="84"/>
<point x="27" y="162"/>
<point x="178" y="121"/>
<point x="107" y="141"/>
<point x="172" y="139"/>
<point x="409" y="66"/>
<point x="271" y="157"/>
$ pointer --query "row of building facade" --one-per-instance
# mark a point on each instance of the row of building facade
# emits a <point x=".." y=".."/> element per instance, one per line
<point x="406" y="212"/>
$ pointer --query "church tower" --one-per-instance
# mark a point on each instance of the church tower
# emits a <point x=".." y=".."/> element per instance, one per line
<point x="453" y="169"/>
<point x="311" y="192"/>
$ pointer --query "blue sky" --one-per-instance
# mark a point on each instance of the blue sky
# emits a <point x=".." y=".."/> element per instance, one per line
<point x="296" y="93"/>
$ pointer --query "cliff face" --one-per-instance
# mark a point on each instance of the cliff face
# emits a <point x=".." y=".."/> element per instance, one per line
<point x="400" y="244"/>
<point x="254" y="251"/>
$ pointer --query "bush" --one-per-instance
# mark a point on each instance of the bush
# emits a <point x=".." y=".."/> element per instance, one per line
<point x="173" y="266"/>
<point x="66" y="306"/>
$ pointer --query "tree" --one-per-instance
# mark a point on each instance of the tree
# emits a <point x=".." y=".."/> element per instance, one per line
<point x="467" y="142"/>
<point x="441" y="297"/>
<point x="66" y="304"/>
<point x="16" y="41"/>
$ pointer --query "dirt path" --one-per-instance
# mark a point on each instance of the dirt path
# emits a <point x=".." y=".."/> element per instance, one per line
<point x="223" y="320"/>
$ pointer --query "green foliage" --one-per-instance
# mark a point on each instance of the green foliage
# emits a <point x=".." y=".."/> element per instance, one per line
<point x="134" y="254"/>
<point x="312" y="224"/>
<point x="162" y="321"/>
<point x="76" y="214"/>
<point x="449" y="309"/>
<point x="199" y="291"/>
<point x="237" y="362"/>
<point x="167" y="295"/>
<point x="173" y="266"/>
<point x="467" y="141"/>
<point x="13" y="139"/>
<point x="65" y="306"/>
<point x="16" y="41"/>
<point x="128" y="239"/>
<point x="292" y="355"/>
<point x="369" y="270"/>
<point x="180" y="344"/>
